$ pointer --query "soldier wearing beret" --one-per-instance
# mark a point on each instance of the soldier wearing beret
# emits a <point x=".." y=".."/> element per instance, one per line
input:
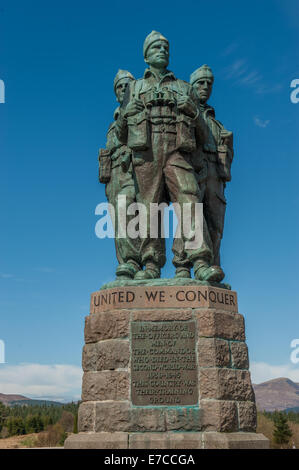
<point x="116" y="172"/>
<point x="213" y="162"/>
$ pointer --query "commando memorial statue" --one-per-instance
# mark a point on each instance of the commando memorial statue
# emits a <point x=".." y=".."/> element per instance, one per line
<point x="165" y="361"/>
<point x="160" y="125"/>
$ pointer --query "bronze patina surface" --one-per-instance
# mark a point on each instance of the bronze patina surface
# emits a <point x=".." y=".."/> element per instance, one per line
<point x="163" y="363"/>
<point x="165" y="146"/>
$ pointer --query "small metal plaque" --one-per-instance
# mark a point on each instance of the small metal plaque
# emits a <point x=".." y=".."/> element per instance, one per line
<point x="163" y="363"/>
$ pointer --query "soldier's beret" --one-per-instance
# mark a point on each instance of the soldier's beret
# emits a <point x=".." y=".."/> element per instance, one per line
<point x="120" y="75"/>
<point x="150" y="39"/>
<point x="203" y="71"/>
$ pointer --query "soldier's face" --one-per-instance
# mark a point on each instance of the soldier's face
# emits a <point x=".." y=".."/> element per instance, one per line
<point x="121" y="89"/>
<point x="158" y="54"/>
<point x="203" y="88"/>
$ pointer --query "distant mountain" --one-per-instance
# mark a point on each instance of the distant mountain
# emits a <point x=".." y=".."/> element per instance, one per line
<point x="12" y="400"/>
<point x="277" y="394"/>
<point x="6" y="399"/>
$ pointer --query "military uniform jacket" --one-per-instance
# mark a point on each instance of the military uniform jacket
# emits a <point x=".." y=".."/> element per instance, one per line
<point x="160" y="113"/>
<point x="213" y="150"/>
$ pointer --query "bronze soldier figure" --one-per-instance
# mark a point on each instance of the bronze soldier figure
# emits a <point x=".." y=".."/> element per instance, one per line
<point x="213" y="162"/>
<point x="116" y="172"/>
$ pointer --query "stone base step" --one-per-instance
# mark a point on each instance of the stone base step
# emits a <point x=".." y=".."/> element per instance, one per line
<point x="167" y="440"/>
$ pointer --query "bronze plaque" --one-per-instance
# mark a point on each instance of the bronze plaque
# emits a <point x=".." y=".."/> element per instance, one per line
<point x="163" y="363"/>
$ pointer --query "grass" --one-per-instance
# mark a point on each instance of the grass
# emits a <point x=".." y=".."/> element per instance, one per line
<point x="29" y="441"/>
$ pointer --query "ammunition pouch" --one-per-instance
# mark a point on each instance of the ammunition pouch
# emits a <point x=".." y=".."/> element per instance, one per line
<point x="104" y="166"/>
<point x="138" y="131"/>
<point x="112" y="141"/>
<point x="224" y="163"/>
<point x="186" y="140"/>
<point x="126" y="162"/>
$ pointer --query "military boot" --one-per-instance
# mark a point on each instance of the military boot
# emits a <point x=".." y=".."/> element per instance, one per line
<point x="204" y="272"/>
<point x="182" y="273"/>
<point x="152" y="271"/>
<point x="126" y="271"/>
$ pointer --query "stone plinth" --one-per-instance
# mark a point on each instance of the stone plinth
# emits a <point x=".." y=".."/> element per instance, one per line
<point x="166" y="367"/>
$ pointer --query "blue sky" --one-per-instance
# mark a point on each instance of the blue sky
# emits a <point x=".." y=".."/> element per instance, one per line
<point x="58" y="61"/>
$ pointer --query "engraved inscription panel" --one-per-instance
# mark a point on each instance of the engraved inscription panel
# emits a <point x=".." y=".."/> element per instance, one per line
<point x="163" y="363"/>
<point x="163" y="297"/>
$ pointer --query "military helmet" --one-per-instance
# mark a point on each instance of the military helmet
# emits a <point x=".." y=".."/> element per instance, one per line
<point x="202" y="71"/>
<point x="150" y="39"/>
<point x="120" y="75"/>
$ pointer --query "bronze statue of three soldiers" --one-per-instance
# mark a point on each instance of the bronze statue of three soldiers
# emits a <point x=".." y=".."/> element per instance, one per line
<point x="166" y="146"/>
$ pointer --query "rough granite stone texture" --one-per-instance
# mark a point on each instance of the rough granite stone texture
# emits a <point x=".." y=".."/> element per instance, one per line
<point x="109" y="325"/>
<point x="219" y="415"/>
<point x="147" y="419"/>
<point x="234" y="440"/>
<point x="99" y="440"/>
<point x="162" y="315"/>
<point x="112" y="416"/>
<point x="220" y="324"/>
<point x="239" y="355"/>
<point x="118" y="416"/>
<point x="213" y="352"/>
<point x="183" y="419"/>
<point x="225" y="384"/>
<point x="86" y="417"/>
<point x="165" y="440"/>
<point x="226" y="403"/>
<point x="247" y="416"/>
<point x="106" y="355"/>
<point x="105" y="385"/>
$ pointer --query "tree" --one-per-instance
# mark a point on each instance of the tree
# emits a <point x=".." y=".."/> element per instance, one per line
<point x="3" y="414"/>
<point x="33" y="423"/>
<point x="15" y="426"/>
<point x="281" y="433"/>
<point x="67" y="421"/>
<point x="75" y="429"/>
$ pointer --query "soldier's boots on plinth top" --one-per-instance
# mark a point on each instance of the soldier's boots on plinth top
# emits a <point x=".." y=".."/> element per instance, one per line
<point x="152" y="271"/>
<point x="183" y="273"/>
<point x="127" y="270"/>
<point x="204" y="272"/>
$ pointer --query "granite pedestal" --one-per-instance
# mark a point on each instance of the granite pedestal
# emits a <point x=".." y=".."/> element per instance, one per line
<point x="166" y="367"/>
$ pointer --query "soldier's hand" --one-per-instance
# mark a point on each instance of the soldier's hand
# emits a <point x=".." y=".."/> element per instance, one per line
<point x="187" y="106"/>
<point x="135" y="106"/>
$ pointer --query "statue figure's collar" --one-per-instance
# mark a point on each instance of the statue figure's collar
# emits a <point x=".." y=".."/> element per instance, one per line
<point x="149" y="73"/>
<point x="206" y="108"/>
